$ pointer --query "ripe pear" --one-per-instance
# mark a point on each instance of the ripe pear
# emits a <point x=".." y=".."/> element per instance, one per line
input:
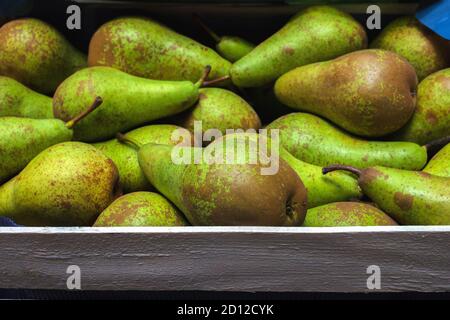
<point x="231" y="48"/>
<point x="220" y="109"/>
<point x="146" y="48"/>
<point x="316" y="141"/>
<point x="424" y="49"/>
<point x="347" y="214"/>
<point x="368" y="93"/>
<point x="140" y="209"/>
<point x="439" y="165"/>
<point x="37" y="55"/>
<point x="409" y="197"/>
<point x="16" y="100"/>
<point x="68" y="184"/>
<point x="234" y="193"/>
<point x="315" y="34"/>
<point x="125" y="157"/>
<point x="21" y="139"/>
<point x="143" y="100"/>
<point x="431" y="120"/>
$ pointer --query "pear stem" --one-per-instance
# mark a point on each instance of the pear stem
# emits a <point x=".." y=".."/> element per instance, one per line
<point x="124" y="139"/>
<point x="207" y="29"/>
<point x="335" y="167"/>
<point x="204" y="76"/>
<point x="436" y="145"/>
<point x="97" y="102"/>
<point x="214" y="81"/>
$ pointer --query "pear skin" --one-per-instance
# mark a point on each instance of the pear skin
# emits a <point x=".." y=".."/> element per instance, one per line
<point x="140" y="209"/>
<point x="439" y="165"/>
<point x="347" y="214"/>
<point x="125" y="156"/>
<point x="409" y="197"/>
<point x="68" y="184"/>
<point x="316" y="141"/>
<point x="146" y="48"/>
<point x="20" y="101"/>
<point x="315" y="34"/>
<point x="368" y="93"/>
<point x="37" y="55"/>
<point x="424" y="49"/>
<point x="431" y="120"/>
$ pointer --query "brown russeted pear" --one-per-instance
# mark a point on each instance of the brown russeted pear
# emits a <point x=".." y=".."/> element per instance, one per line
<point x="68" y="184"/>
<point x="368" y="93"/>
<point x="146" y="48"/>
<point x="143" y="100"/>
<point x="37" y="55"/>
<point x="140" y="209"/>
<point x="409" y="197"/>
<point x="347" y="214"/>
<point x="315" y="34"/>
<point x="16" y="100"/>
<point x="431" y="120"/>
<point x="225" y="190"/>
<point x="424" y="49"/>
<point x="21" y="139"/>
<point x="439" y="165"/>
<point x="125" y="156"/>
<point x="316" y="141"/>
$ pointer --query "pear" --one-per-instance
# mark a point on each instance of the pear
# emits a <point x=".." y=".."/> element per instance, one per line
<point x="68" y="184"/>
<point x="368" y="93"/>
<point x="423" y="48"/>
<point x="431" y="120"/>
<point x="225" y="193"/>
<point x="16" y="100"/>
<point x="140" y="209"/>
<point x="409" y="197"/>
<point x="439" y="165"/>
<point x="145" y="48"/>
<point x="143" y="100"/>
<point x="125" y="156"/>
<point x="316" y="141"/>
<point x="37" y="55"/>
<point x="315" y="34"/>
<point x="232" y="48"/>
<point x="220" y="109"/>
<point x="347" y="214"/>
<point x="21" y="139"/>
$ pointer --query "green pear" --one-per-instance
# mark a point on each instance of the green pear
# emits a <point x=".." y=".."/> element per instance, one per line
<point x="143" y="100"/>
<point x="409" y="197"/>
<point x="37" y="55"/>
<point x="315" y="34"/>
<point x="431" y="120"/>
<point x="125" y="156"/>
<point x="16" y="100"/>
<point x="347" y="214"/>
<point x="68" y="184"/>
<point x="316" y="141"/>
<point x="225" y="193"/>
<point x="145" y="48"/>
<point x="439" y="165"/>
<point x="423" y="48"/>
<point x="368" y="93"/>
<point x="220" y="109"/>
<point x="21" y="139"/>
<point x="232" y="48"/>
<point x="140" y="209"/>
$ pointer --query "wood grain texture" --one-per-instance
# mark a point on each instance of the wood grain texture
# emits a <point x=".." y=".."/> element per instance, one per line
<point x="227" y="258"/>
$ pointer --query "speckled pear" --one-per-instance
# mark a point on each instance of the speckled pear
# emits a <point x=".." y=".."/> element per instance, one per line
<point x="439" y="165"/>
<point x="347" y="214"/>
<point x="37" y="55"/>
<point x="141" y="209"/>
<point x="16" y="100"/>
<point x="368" y="92"/>
<point x="315" y="34"/>
<point x="68" y="184"/>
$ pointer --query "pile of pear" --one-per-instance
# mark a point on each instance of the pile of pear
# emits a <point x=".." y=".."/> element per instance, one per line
<point x="89" y="139"/>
